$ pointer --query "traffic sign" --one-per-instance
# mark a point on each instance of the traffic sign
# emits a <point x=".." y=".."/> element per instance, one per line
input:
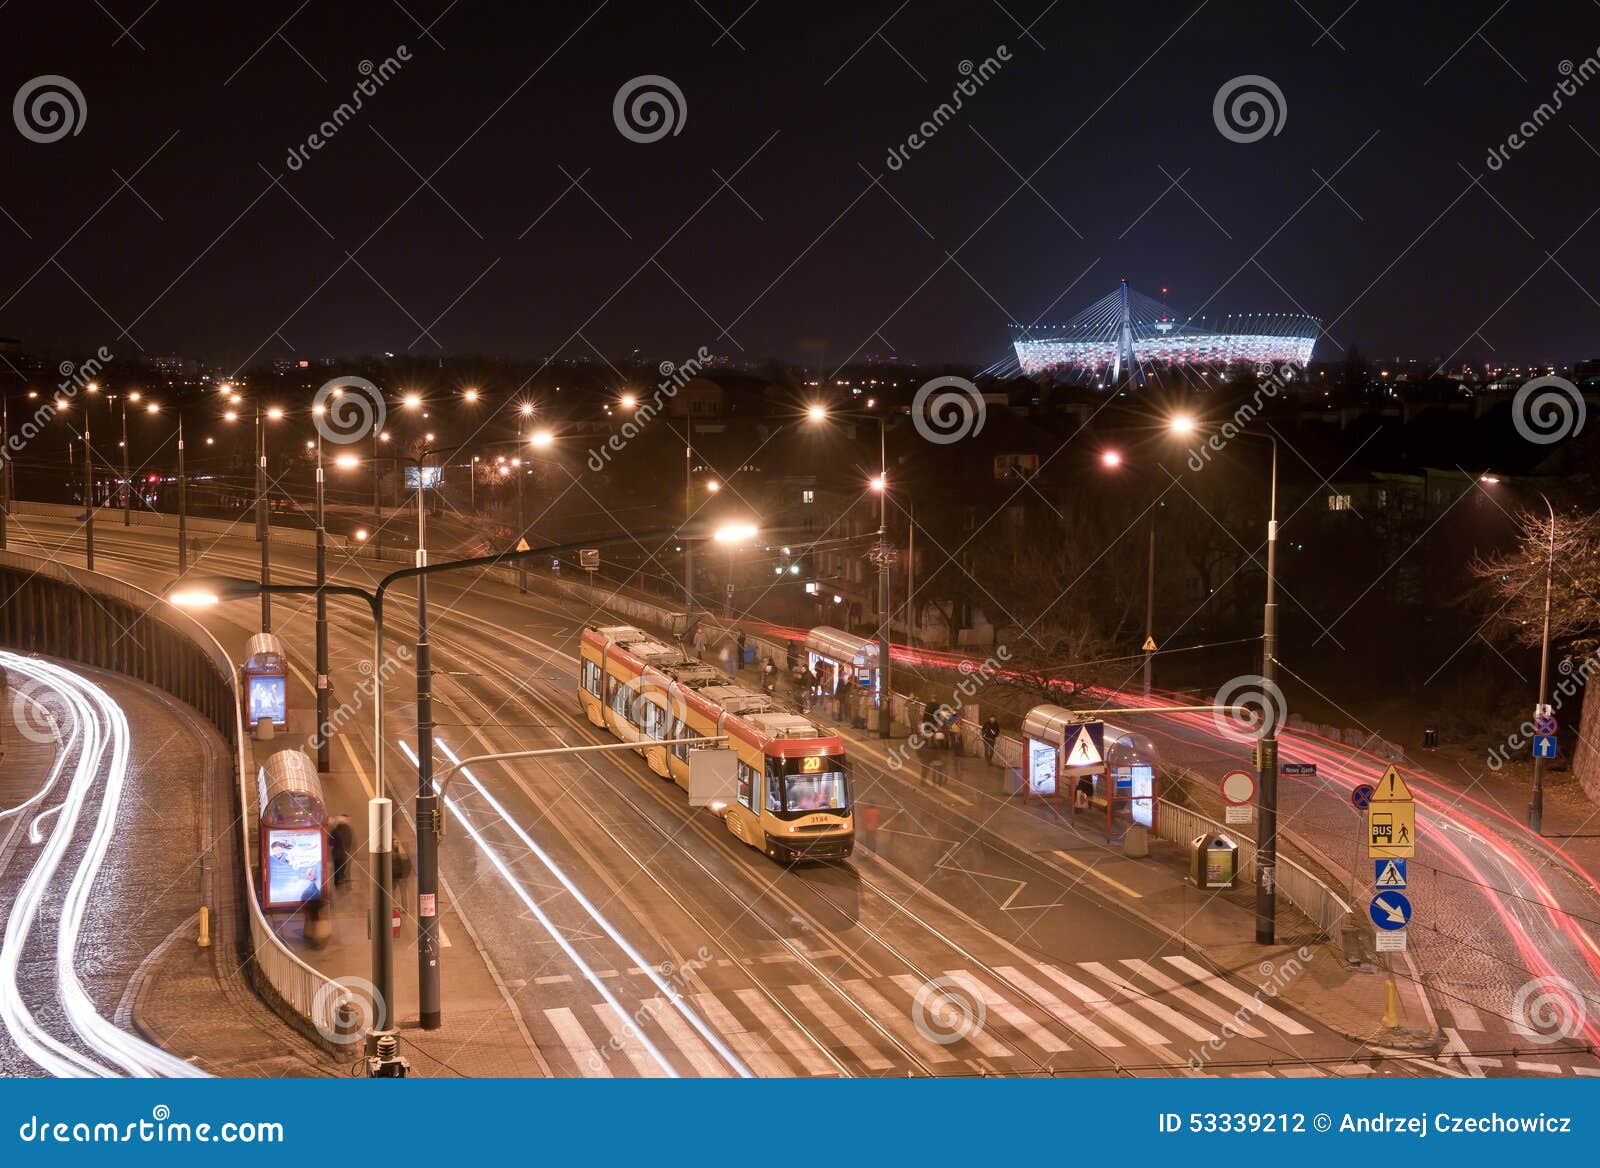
<point x="1087" y="752"/>
<point x="522" y="546"/>
<point x="1391" y="830"/>
<point x="1394" y="942"/>
<point x="589" y="559"/>
<point x="394" y="921"/>
<point x="1361" y="796"/>
<point x="1149" y="645"/>
<point x="1545" y="724"/>
<point x="1389" y="873"/>
<point x="1390" y="911"/>
<point x="1392" y="788"/>
<point x="1300" y="768"/>
<point x="1239" y="788"/>
<point x="1544" y="746"/>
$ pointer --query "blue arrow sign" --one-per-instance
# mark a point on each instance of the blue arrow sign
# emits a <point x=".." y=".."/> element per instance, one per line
<point x="1362" y="795"/>
<point x="1390" y="911"/>
<point x="1544" y="746"/>
<point x="1388" y="874"/>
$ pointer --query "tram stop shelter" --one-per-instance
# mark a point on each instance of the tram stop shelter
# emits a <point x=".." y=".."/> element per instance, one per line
<point x="292" y="845"/>
<point x="264" y="679"/>
<point x="1091" y="762"/>
<point x="833" y="654"/>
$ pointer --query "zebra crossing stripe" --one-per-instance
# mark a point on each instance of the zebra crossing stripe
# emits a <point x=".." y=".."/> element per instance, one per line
<point x="1228" y="990"/>
<point x="979" y="1036"/>
<point x="1104" y="1007"/>
<point x="1139" y="998"/>
<point x="1304" y="1072"/>
<point x="576" y="1039"/>
<point x="1081" y="1024"/>
<point x="1184" y="994"/>
<point x="627" y="1041"/>
<point x="840" y="1029"/>
<point x="1040" y="1035"/>
<point x="750" y="1047"/>
<point x="705" y="1064"/>
<point x="1464" y="1016"/>
<point x="797" y="1045"/>
<point x="898" y="1021"/>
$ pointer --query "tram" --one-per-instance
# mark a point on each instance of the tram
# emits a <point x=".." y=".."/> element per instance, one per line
<point x="793" y="800"/>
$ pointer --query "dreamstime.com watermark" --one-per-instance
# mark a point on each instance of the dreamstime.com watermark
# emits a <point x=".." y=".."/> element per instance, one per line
<point x="1548" y="1010"/>
<point x="973" y="678"/>
<point x="1249" y="107"/>
<point x="677" y="977"/>
<point x="1278" y="976"/>
<point x="348" y="409"/>
<point x="1573" y="78"/>
<point x="1548" y="409"/>
<point x="1270" y="382"/>
<point x="49" y="107"/>
<point x="948" y="409"/>
<point x="1574" y="676"/>
<point x="648" y="108"/>
<point x="347" y="710"/>
<point x="160" y="1128"/>
<point x="973" y="78"/>
<point x="373" y="78"/>
<point x="74" y="379"/>
<point x="947" y="1010"/>
<point x="675" y="377"/>
<point x="1249" y="707"/>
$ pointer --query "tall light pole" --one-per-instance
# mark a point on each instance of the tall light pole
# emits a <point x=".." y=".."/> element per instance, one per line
<point x="1536" y="798"/>
<point x="5" y="466"/>
<point x="1267" y="744"/>
<point x="881" y="555"/>
<point x="524" y="412"/>
<point x="88" y="486"/>
<point x="688" y="510"/>
<point x="1112" y="460"/>
<point x="324" y="761"/>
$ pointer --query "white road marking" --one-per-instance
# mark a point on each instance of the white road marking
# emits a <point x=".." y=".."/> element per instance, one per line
<point x="898" y="1020"/>
<point x="750" y="1047"/>
<point x="1019" y="1021"/>
<point x="840" y="1029"/>
<point x="1103" y="1007"/>
<point x="795" y="1044"/>
<point x="625" y="1038"/>
<point x="1060" y="1009"/>
<point x="576" y="1039"/>
<point x="1184" y="994"/>
<point x="1137" y="997"/>
<point x="1228" y="990"/>
<point x="697" y="1052"/>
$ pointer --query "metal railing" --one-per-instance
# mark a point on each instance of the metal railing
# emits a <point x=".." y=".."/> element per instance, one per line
<point x="119" y="626"/>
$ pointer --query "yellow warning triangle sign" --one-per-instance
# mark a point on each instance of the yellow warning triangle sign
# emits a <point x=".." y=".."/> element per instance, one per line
<point x="1392" y="788"/>
<point x="1149" y="645"/>
<point x="522" y="546"/>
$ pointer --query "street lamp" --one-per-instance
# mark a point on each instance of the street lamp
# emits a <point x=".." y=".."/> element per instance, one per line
<point x="1536" y="799"/>
<point x="1112" y="460"/>
<point x="881" y="554"/>
<point x="733" y="535"/>
<point x="183" y="492"/>
<point x="1267" y="762"/>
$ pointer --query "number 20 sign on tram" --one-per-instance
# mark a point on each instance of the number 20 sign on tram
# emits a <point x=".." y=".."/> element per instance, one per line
<point x="793" y="798"/>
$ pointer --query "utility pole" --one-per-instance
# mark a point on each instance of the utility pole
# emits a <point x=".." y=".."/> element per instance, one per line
<point x="127" y="486"/>
<point x="688" y="509"/>
<point x="88" y="493"/>
<point x="5" y="467"/>
<point x="183" y="503"/>
<point x="261" y="519"/>
<point x="522" y="523"/>
<point x="324" y="763"/>
<point x="1150" y="604"/>
<point x="380" y="842"/>
<point x="427" y="807"/>
<point x="1267" y="847"/>
<point x="885" y="698"/>
<point x="1536" y="800"/>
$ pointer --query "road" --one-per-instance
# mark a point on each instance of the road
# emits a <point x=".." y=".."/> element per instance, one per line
<point x="637" y="937"/>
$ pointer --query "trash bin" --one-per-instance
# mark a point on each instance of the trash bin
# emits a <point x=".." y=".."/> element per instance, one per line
<point x="1213" y="861"/>
<point x="1430" y="738"/>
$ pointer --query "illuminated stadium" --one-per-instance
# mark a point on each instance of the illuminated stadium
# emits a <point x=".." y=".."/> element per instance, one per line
<point x="1127" y="333"/>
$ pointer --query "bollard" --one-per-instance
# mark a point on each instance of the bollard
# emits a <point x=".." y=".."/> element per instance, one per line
<point x="1391" y="1005"/>
<point x="204" y="941"/>
<point x="1136" y="844"/>
<point x="264" y="729"/>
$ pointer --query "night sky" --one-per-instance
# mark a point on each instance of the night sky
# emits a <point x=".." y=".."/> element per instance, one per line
<point x="503" y="106"/>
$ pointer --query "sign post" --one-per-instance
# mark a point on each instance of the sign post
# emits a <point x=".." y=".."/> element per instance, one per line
<point x="1391" y="825"/>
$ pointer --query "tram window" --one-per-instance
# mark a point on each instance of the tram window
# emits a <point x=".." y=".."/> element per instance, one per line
<point x="591" y="677"/>
<point x="622" y="702"/>
<point x="774" y="784"/>
<point x="681" y="730"/>
<point x="747" y="784"/>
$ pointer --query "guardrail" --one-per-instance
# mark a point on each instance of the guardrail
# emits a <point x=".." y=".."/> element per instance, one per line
<point x="51" y="608"/>
<point x="1298" y="885"/>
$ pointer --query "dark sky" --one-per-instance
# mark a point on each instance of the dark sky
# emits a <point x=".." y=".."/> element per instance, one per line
<point x="503" y="105"/>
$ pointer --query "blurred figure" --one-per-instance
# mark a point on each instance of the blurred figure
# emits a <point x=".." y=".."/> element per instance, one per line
<point x="991" y="735"/>
<point x="341" y="844"/>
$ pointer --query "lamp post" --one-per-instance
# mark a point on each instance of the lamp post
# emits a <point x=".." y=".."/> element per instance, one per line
<point x="881" y="556"/>
<point x="88" y="485"/>
<point x="1536" y="798"/>
<point x="5" y="466"/>
<point x="1267" y="744"/>
<point x="205" y="592"/>
<point x="1112" y="460"/>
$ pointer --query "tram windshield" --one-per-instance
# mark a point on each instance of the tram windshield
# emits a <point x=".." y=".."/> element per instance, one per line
<point x="816" y="783"/>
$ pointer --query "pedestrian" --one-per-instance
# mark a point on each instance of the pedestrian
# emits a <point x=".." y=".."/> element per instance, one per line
<point x="769" y="678"/>
<point x="700" y="641"/>
<point x="399" y="865"/>
<point x="808" y="689"/>
<point x="741" y="650"/>
<point x="941" y="771"/>
<point x="341" y="844"/>
<point x="316" y="923"/>
<point x="991" y="735"/>
<point x="840" y="693"/>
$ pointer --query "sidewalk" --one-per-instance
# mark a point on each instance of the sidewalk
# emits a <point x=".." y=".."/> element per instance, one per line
<point x="1309" y="972"/>
<point x="483" y="1033"/>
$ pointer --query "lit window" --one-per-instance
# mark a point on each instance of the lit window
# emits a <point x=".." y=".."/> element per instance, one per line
<point x="808" y="496"/>
<point x="1338" y="502"/>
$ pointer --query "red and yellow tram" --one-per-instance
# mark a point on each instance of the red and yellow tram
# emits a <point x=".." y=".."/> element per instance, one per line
<point x="793" y="800"/>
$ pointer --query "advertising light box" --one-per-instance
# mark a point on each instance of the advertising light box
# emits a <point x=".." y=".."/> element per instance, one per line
<point x="294" y="866"/>
<point x="269" y="698"/>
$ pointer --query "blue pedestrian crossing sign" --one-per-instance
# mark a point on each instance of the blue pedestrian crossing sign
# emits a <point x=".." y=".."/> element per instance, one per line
<point x="1389" y="874"/>
<point x="1390" y="911"/>
<point x="1544" y="746"/>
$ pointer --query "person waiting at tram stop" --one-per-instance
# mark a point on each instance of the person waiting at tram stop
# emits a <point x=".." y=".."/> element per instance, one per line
<point x="991" y="736"/>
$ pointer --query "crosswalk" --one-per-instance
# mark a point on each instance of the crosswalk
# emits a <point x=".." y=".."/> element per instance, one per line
<point x="1026" y="1017"/>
